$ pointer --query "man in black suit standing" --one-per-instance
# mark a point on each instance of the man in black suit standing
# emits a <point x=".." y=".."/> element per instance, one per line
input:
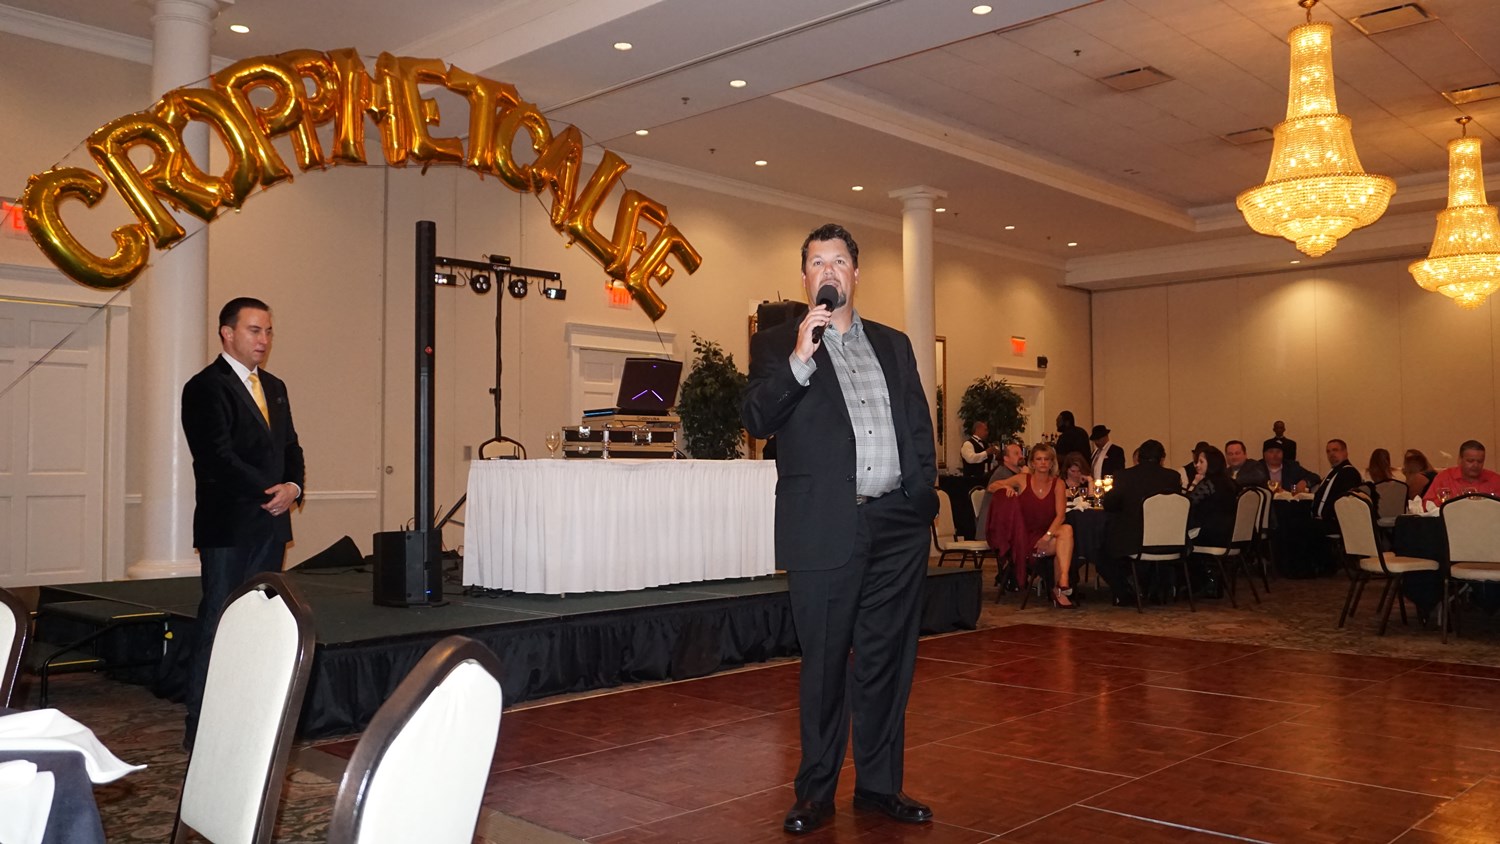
<point x="1279" y="440"/>
<point x="247" y="469"/>
<point x="1125" y="501"/>
<point x="856" y="465"/>
<point x="1107" y="458"/>
<point x="1070" y="438"/>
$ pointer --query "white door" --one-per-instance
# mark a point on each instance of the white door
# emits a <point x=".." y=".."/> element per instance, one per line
<point x="52" y="428"/>
<point x="597" y="381"/>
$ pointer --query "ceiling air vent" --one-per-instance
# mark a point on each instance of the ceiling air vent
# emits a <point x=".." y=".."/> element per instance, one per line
<point x="1135" y="79"/>
<point x="1245" y="137"/>
<point x="1473" y="93"/>
<point x="1395" y="17"/>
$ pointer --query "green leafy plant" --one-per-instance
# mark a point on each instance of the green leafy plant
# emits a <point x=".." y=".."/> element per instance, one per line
<point x="991" y="400"/>
<point x="709" y="403"/>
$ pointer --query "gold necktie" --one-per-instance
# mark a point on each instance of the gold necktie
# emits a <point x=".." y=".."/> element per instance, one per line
<point x="260" y="397"/>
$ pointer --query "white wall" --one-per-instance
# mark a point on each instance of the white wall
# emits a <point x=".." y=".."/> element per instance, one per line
<point x="332" y="252"/>
<point x="1357" y="352"/>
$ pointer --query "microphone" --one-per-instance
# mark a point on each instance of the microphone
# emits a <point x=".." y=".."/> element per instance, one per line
<point x="827" y="295"/>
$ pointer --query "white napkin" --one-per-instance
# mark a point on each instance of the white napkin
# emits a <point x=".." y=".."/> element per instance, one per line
<point x="48" y="729"/>
<point x="25" y="802"/>
<point x="1078" y="504"/>
<point x="1433" y="508"/>
<point x="1414" y="506"/>
<point x="1303" y="496"/>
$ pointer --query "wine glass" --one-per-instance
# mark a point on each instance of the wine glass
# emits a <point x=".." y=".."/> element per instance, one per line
<point x="1275" y="486"/>
<point x="1443" y="495"/>
<point x="554" y="441"/>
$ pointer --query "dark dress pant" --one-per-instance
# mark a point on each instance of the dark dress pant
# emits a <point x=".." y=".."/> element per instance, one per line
<point x="870" y="605"/>
<point x="223" y="571"/>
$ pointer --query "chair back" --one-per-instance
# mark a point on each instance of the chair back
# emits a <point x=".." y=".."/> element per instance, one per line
<point x="943" y="531"/>
<point x="1473" y="526"/>
<point x="257" y="676"/>
<point x="976" y="501"/>
<point x="15" y="626"/>
<point x="1264" y="523"/>
<point x="1357" y="523"/>
<point x="1165" y="518"/>
<point x="419" y="771"/>
<point x="1246" y="516"/>
<point x="1390" y="498"/>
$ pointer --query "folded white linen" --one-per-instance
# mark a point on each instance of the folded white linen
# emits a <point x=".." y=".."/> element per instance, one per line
<point x="25" y="802"/>
<point x="1414" y="506"/>
<point x="49" y="729"/>
<point x="1078" y="504"/>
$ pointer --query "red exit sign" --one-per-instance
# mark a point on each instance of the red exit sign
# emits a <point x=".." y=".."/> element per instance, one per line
<point x="11" y="221"/>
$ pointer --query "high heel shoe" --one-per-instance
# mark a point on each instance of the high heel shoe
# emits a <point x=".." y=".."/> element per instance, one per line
<point x="1060" y="599"/>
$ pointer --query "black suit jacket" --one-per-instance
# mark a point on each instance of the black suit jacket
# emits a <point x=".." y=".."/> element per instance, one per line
<point x="1114" y="460"/>
<point x="1339" y="481"/>
<point x="815" y="459"/>
<point x="1075" y="440"/>
<point x="1126" y="501"/>
<point x="236" y="456"/>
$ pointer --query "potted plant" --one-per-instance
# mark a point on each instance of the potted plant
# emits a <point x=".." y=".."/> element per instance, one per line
<point x="991" y="400"/>
<point x="709" y="403"/>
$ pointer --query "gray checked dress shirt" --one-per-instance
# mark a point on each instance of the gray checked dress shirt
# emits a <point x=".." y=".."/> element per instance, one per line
<point x="862" y="381"/>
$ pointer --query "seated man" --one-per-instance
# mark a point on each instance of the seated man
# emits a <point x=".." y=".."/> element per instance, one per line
<point x="1243" y="470"/>
<point x="1342" y="477"/>
<point x="1012" y="463"/>
<point x="1468" y="476"/>
<point x="1285" y="474"/>
<point x="1125" y="502"/>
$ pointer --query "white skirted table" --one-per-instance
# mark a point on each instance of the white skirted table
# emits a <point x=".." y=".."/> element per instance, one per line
<point x="559" y="526"/>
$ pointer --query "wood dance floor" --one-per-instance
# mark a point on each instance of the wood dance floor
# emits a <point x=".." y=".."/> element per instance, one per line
<point x="1042" y="734"/>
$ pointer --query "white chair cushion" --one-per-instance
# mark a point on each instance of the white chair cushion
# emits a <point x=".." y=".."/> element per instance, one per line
<point x="1386" y="521"/>
<point x="1154" y="558"/>
<point x="1398" y="565"/>
<point x="1214" y="550"/>
<point x="967" y="545"/>
<point x="1476" y="571"/>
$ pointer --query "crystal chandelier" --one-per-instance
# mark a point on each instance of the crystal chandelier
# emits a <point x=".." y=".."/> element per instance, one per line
<point x="1464" y="263"/>
<point x="1315" y="191"/>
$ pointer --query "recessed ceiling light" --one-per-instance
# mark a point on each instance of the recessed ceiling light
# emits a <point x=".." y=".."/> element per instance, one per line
<point x="858" y="187"/>
<point x="939" y="210"/>
<point x="1072" y="243"/>
<point x="981" y="10"/>
<point x="643" y="132"/>
<point x="737" y="83"/>
<point x="1296" y="262"/>
<point x="760" y="162"/>
<point x="1010" y="228"/>
<point x="239" y="27"/>
<point x="622" y="46"/>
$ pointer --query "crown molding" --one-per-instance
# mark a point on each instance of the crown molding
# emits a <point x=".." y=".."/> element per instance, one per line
<point x="32" y="283"/>
<point x="838" y="100"/>
<point x="80" y="36"/>
<point x="662" y="171"/>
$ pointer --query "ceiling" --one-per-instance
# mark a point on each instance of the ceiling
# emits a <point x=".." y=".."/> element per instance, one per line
<point x="1004" y="111"/>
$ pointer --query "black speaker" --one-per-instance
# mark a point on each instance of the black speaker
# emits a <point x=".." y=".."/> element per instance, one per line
<point x="1041" y="362"/>
<point x="403" y="577"/>
<point x="768" y="314"/>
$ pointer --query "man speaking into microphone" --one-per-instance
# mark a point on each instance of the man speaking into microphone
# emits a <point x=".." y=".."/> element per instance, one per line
<point x="855" y="467"/>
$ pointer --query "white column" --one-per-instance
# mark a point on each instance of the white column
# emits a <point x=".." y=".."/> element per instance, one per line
<point x="916" y="265"/>
<point x="171" y="303"/>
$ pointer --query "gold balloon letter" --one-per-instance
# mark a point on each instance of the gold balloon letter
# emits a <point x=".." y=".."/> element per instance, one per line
<point x="283" y="115"/>
<point x="317" y="108"/>
<point x="110" y="147"/>
<point x="581" y="218"/>
<point x="44" y="193"/>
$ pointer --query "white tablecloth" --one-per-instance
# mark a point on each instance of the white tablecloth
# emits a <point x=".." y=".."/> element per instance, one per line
<point x="570" y="525"/>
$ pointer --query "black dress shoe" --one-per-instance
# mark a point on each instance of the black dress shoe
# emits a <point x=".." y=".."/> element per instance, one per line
<point x="806" y="816"/>
<point x="897" y="806"/>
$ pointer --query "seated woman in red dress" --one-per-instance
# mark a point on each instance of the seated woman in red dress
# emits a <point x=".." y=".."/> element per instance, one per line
<point x="1036" y="526"/>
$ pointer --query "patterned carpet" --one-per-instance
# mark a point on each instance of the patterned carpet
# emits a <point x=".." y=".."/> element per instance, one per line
<point x="139" y="728"/>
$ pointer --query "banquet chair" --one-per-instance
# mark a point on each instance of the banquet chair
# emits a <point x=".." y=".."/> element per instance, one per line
<point x="1473" y="526"/>
<point x="419" y="770"/>
<point x="1390" y="502"/>
<point x="1263" y="548"/>
<point x="945" y="539"/>
<point x="1356" y="518"/>
<point x="15" y="627"/>
<point x="1163" y="540"/>
<point x="976" y="501"/>
<point x="257" y="677"/>
<point x="1246" y="516"/>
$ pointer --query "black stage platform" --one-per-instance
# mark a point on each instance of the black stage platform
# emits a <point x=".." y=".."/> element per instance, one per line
<point x="547" y="644"/>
